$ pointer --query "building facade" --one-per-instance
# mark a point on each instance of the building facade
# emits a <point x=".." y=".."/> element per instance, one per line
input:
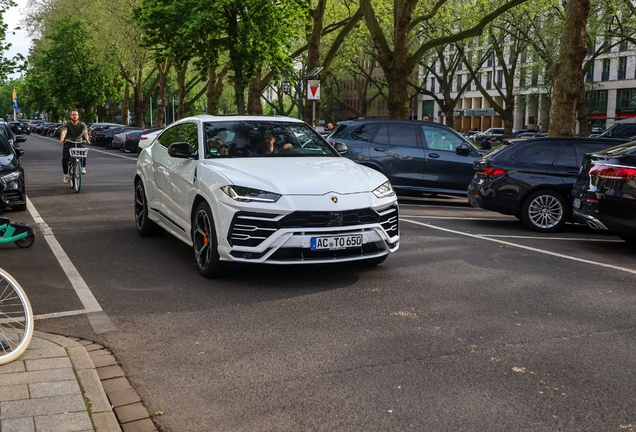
<point x="610" y="94"/>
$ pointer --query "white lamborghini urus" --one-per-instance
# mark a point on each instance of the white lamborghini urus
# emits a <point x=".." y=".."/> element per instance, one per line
<point x="262" y="190"/>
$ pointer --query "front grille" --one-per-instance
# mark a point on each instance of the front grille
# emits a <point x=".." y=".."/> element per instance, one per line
<point x="303" y="219"/>
<point x="12" y="197"/>
<point x="389" y="219"/>
<point x="251" y="229"/>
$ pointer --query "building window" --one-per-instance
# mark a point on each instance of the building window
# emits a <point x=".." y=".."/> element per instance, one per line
<point x="535" y="78"/>
<point x="522" y="78"/>
<point x="500" y="81"/>
<point x="460" y="65"/>
<point x="622" y="67"/>
<point x="490" y="60"/>
<point x="596" y="102"/>
<point x="488" y="80"/>
<point x="433" y="85"/>
<point x="524" y="56"/>
<point x="459" y="82"/>
<point x="626" y="98"/>
<point x="512" y="55"/>
<point x="607" y="46"/>
<point x="606" y="70"/>
<point x="589" y="76"/>
<point x="592" y="48"/>
<point x="623" y="46"/>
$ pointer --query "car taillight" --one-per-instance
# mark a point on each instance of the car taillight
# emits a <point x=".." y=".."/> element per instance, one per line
<point x="489" y="171"/>
<point x="143" y="138"/>
<point x="612" y="172"/>
<point x="127" y="137"/>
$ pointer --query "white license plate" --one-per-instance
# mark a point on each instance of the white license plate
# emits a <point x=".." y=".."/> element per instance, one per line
<point x="577" y="203"/>
<point x="339" y="242"/>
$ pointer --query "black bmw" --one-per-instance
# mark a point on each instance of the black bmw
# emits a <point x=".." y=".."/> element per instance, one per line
<point x="533" y="179"/>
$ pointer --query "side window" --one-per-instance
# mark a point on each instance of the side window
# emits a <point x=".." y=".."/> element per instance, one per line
<point x="365" y="132"/>
<point x="338" y="133"/>
<point x="403" y="135"/>
<point x="543" y="153"/>
<point x="382" y="137"/>
<point x="168" y="137"/>
<point x="441" y="139"/>
<point x="567" y="158"/>
<point x="583" y="148"/>
<point x="188" y="133"/>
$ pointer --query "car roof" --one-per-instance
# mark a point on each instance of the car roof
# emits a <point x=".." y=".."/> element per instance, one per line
<point x="207" y="117"/>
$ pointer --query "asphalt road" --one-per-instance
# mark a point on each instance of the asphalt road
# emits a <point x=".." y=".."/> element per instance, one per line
<point x="475" y="324"/>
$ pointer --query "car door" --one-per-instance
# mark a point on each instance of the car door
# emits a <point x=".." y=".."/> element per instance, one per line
<point x="446" y="168"/>
<point x="361" y="139"/>
<point x="178" y="173"/>
<point x="567" y="166"/>
<point x="397" y="149"/>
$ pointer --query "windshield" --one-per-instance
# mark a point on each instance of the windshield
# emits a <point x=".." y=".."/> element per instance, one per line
<point x="264" y="139"/>
<point x="5" y="150"/>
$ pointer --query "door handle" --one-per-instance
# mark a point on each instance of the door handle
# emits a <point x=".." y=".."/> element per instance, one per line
<point x="433" y="155"/>
<point x="379" y="149"/>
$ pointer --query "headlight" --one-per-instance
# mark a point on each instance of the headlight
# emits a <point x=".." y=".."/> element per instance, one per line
<point x="384" y="191"/>
<point x="6" y="179"/>
<point x="244" y="194"/>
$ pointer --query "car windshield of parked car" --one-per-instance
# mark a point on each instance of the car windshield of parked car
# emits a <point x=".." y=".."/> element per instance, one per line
<point x="263" y="139"/>
<point x="5" y="150"/>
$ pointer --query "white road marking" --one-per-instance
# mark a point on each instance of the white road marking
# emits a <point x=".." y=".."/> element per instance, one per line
<point x="96" y="315"/>
<point x="481" y="237"/>
<point x="457" y="218"/>
<point x="553" y="238"/>
<point x="60" y="314"/>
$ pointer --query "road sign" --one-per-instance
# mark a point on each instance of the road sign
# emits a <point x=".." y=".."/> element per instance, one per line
<point x="480" y="112"/>
<point x="313" y="89"/>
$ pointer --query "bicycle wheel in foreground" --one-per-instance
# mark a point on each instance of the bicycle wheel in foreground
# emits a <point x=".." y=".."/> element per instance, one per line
<point x="16" y="319"/>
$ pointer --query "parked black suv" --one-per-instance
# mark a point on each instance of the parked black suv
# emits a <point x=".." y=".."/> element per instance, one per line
<point x="12" y="190"/>
<point x="533" y="179"/>
<point x="419" y="158"/>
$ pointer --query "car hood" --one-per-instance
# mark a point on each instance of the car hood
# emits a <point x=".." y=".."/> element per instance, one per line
<point x="299" y="175"/>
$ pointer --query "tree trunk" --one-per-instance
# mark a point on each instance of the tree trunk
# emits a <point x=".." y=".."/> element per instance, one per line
<point x="566" y="73"/>
<point x="101" y="113"/>
<point x="164" y="70"/>
<point x="399" y="98"/>
<point x="581" y="116"/>
<point x="215" y="88"/>
<point x="125" y="105"/>
<point x="239" y="90"/>
<point x="254" y="106"/>
<point x="111" y="110"/>
<point x="316" y="18"/>
<point x="181" y="83"/>
<point x="139" y="110"/>
<point x="544" y="108"/>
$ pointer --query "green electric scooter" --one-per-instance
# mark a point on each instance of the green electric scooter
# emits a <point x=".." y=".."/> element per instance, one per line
<point x="21" y="234"/>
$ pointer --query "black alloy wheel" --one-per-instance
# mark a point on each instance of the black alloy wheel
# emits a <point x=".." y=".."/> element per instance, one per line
<point x="205" y="244"/>
<point x="145" y="226"/>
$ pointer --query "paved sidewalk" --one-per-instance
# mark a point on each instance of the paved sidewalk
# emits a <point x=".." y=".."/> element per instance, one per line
<point x="58" y="385"/>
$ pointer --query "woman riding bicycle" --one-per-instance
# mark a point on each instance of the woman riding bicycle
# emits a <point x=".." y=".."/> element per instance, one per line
<point x="73" y="130"/>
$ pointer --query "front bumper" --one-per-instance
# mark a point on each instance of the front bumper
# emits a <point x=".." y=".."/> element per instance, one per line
<point x="286" y="239"/>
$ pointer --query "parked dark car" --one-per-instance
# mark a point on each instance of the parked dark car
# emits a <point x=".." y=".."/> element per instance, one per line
<point x="620" y="130"/>
<point x="95" y="128"/>
<point x="19" y="128"/>
<point x="130" y="142"/>
<point x="533" y="179"/>
<point x="12" y="139"/>
<point x="33" y="123"/>
<point x="420" y="158"/>
<point x="605" y="191"/>
<point x="105" y="137"/>
<point x="12" y="187"/>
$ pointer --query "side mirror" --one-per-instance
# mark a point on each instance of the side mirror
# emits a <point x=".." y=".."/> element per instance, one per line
<point x="19" y="152"/>
<point x="341" y="147"/>
<point x="20" y="138"/>
<point x="180" y="150"/>
<point x="463" y="149"/>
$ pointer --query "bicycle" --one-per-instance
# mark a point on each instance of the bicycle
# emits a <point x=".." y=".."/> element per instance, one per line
<point x="16" y="319"/>
<point x="78" y="154"/>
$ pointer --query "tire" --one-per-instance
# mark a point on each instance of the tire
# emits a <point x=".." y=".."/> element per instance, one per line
<point x="545" y="211"/>
<point x="71" y="175"/>
<point x="204" y="243"/>
<point x="78" y="176"/>
<point x="16" y="319"/>
<point x="145" y="226"/>
<point x="26" y="242"/>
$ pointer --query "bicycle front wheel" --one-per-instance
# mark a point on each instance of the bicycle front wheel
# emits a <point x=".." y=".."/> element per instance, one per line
<point x="16" y="319"/>
<point x="78" y="175"/>
<point x="71" y="174"/>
